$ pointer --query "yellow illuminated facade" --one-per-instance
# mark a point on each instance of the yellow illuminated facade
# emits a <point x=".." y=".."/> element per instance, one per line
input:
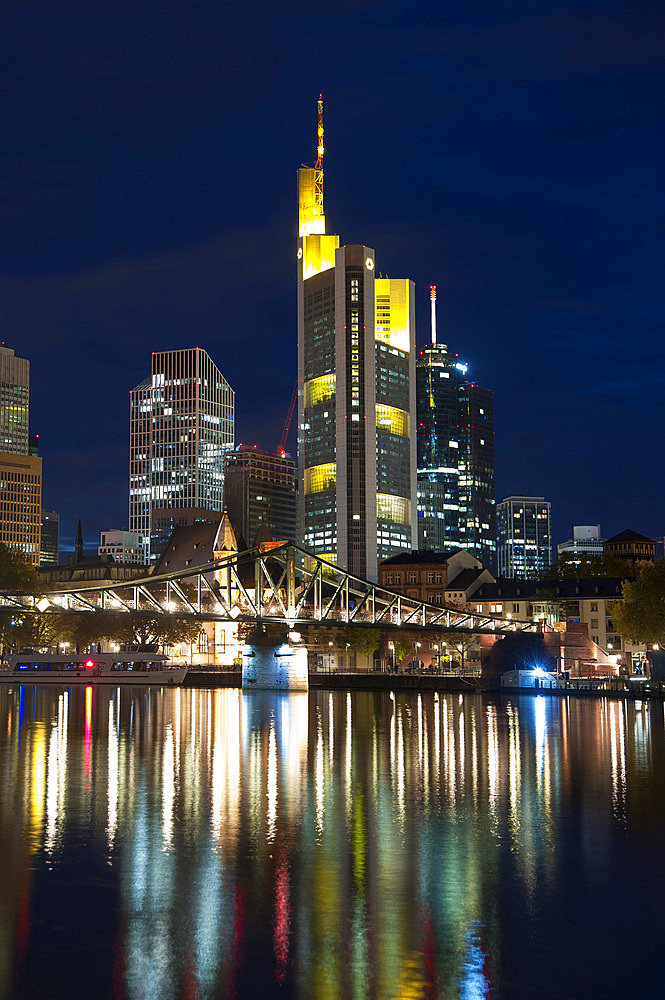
<point x="392" y="419"/>
<point x="321" y="477"/>
<point x="318" y="254"/>
<point x="396" y="510"/>
<point x="318" y="390"/>
<point x="311" y="218"/>
<point x="393" y="313"/>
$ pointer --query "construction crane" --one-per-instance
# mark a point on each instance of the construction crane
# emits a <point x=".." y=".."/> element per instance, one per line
<point x="287" y="423"/>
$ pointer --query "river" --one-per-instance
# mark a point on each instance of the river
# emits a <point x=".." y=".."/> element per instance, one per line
<point x="214" y="843"/>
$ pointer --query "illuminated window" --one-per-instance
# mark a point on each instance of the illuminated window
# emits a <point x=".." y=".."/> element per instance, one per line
<point x="319" y="389"/>
<point x="391" y="508"/>
<point x="390" y="418"/>
<point x="320" y="478"/>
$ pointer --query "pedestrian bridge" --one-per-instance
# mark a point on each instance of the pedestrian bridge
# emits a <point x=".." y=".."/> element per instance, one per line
<point x="273" y="583"/>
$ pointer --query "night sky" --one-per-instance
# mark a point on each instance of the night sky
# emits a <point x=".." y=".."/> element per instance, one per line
<point x="509" y="152"/>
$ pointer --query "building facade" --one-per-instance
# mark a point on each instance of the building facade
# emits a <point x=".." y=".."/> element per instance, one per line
<point x="50" y="538"/>
<point x="630" y="545"/>
<point x="181" y="427"/>
<point x="524" y="533"/>
<point x="357" y="498"/>
<point x="455" y="445"/>
<point x="260" y="492"/>
<point x="586" y="541"/>
<point x="551" y="602"/>
<point x="124" y="546"/>
<point x="436" y="577"/>
<point x="21" y="504"/>
<point x="14" y="402"/>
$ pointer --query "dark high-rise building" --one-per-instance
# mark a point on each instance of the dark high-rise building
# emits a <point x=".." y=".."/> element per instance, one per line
<point x="181" y="426"/>
<point x="260" y="492"/>
<point x="50" y="545"/>
<point x="524" y="537"/>
<point x="476" y="464"/>
<point x="356" y="395"/>
<point x="456" y="503"/>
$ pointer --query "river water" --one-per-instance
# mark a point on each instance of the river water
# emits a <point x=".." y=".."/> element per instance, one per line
<point x="194" y="843"/>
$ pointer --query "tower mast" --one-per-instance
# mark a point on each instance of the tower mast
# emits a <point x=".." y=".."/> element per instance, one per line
<point x="432" y="299"/>
<point x="318" y="176"/>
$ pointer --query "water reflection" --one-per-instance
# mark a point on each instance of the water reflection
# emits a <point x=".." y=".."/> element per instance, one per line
<point x="321" y="845"/>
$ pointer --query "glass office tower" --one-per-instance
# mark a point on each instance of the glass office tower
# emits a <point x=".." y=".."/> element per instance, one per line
<point x="181" y="426"/>
<point x="456" y="501"/>
<point x="14" y="402"/>
<point x="524" y="536"/>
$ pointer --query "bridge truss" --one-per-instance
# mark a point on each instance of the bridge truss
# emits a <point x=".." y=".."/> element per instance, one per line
<point x="274" y="583"/>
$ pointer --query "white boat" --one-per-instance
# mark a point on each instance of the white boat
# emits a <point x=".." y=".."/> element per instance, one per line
<point x="31" y="667"/>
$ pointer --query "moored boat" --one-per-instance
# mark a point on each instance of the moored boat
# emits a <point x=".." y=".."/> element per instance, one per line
<point x="31" y="667"/>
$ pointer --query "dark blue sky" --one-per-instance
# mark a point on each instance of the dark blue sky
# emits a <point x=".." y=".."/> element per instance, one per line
<point x="510" y="152"/>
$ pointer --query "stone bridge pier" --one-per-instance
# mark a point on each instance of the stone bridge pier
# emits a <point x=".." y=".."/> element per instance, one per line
<point x="274" y="659"/>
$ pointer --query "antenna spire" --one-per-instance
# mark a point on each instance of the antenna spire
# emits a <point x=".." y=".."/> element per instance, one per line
<point x="432" y="299"/>
<point x="318" y="169"/>
<point x="319" y="135"/>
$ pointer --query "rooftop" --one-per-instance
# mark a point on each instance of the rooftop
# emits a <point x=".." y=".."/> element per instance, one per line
<point x="424" y="557"/>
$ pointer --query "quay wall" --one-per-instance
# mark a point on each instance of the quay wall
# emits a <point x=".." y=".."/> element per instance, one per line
<point x="414" y="682"/>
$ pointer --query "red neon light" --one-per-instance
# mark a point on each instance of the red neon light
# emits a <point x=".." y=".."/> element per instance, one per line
<point x="89" y="663"/>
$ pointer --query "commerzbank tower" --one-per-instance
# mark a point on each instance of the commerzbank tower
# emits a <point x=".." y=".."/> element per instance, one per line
<point x="357" y="501"/>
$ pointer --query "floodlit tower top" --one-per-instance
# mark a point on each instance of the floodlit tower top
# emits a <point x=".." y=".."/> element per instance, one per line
<point x="432" y="299"/>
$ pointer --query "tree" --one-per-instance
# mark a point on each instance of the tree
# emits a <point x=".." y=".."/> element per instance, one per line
<point x="16" y="572"/>
<point x="28" y="630"/>
<point x="640" y="616"/>
<point x="403" y="647"/>
<point x="578" y="566"/>
<point x="145" y="628"/>
<point x="363" y="640"/>
<point x="461" y="642"/>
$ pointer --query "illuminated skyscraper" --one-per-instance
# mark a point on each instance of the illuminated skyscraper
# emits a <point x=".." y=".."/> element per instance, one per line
<point x="356" y="395"/>
<point x="524" y="536"/>
<point x="181" y="426"/>
<point x="456" y="504"/>
<point x="14" y="402"/>
<point x="20" y="468"/>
